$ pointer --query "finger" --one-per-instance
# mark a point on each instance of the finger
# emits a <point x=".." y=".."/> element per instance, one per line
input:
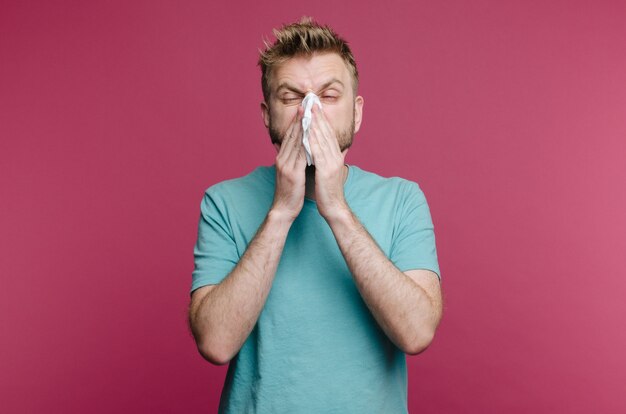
<point x="300" y="161"/>
<point x="333" y="141"/>
<point x="316" y="135"/>
<point x="288" y="139"/>
<point x="284" y="150"/>
<point x="318" y="154"/>
<point x="324" y="146"/>
<point x="331" y="133"/>
<point x="298" y="155"/>
<point x="296" y="137"/>
<point x="325" y="131"/>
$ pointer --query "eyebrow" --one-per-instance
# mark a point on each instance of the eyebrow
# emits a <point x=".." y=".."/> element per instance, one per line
<point x="290" y="87"/>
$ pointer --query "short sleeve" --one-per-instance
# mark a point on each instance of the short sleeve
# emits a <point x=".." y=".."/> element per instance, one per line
<point x="413" y="243"/>
<point x="215" y="252"/>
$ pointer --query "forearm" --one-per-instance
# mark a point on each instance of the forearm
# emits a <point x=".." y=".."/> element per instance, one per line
<point x="401" y="307"/>
<point x="226" y="315"/>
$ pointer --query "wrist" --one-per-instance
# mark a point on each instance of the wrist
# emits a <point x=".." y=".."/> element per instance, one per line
<point x="280" y="217"/>
<point x="339" y="215"/>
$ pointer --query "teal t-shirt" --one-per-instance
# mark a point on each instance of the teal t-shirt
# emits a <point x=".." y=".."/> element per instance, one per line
<point x="316" y="348"/>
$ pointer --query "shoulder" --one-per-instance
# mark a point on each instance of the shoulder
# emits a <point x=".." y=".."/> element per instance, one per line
<point x="369" y="184"/>
<point x="259" y="180"/>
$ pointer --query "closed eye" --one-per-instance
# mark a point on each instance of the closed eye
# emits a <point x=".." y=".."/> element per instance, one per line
<point x="291" y="100"/>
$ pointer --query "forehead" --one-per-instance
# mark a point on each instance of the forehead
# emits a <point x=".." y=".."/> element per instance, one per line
<point x="309" y="72"/>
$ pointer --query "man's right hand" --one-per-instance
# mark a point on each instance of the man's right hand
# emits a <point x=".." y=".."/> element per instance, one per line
<point x="290" y="172"/>
<point x="223" y="315"/>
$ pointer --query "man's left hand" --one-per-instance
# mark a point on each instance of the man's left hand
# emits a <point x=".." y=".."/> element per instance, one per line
<point x="329" y="167"/>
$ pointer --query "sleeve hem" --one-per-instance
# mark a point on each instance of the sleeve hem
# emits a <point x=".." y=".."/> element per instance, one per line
<point x="203" y="281"/>
<point x="421" y="267"/>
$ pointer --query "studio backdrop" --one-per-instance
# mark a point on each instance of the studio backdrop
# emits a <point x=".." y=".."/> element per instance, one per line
<point x="115" y="116"/>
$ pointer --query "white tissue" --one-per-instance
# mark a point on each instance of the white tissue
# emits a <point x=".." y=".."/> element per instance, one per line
<point x="307" y="103"/>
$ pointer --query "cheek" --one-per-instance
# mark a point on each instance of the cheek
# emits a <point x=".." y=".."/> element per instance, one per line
<point x="283" y="117"/>
<point x="339" y="116"/>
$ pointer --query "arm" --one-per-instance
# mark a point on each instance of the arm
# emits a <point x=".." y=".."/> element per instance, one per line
<point x="222" y="316"/>
<point x="407" y="306"/>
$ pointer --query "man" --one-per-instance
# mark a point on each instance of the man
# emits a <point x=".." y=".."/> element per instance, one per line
<point x="314" y="281"/>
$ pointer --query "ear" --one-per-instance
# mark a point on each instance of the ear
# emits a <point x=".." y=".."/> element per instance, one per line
<point x="358" y="113"/>
<point x="265" y="113"/>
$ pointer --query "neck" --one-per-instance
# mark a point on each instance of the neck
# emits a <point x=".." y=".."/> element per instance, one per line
<point x="309" y="191"/>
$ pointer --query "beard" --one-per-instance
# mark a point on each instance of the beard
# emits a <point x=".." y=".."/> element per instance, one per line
<point x="344" y="138"/>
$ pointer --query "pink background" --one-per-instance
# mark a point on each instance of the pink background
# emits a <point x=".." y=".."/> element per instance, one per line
<point x="115" y="116"/>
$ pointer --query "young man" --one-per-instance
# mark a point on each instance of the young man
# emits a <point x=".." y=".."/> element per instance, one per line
<point x="314" y="281"/>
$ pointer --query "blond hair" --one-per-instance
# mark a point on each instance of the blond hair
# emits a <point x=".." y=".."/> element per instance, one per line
<point x="303" y="39"/>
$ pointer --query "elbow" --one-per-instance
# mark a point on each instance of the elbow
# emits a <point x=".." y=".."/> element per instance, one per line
<point x="214" y="351"/>
<point x="214" y="354"/>
<point x="419" y="343"/>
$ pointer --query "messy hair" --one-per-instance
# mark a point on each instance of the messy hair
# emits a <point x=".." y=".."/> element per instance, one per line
<point x="303" y="39"/>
